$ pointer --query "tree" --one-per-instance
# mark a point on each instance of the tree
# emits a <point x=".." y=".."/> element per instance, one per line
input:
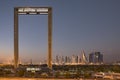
<point x="44" y="75"/>
<point x="21" y="73"/>
<point x="57" y="74"/>
<point x="67" y="74"/>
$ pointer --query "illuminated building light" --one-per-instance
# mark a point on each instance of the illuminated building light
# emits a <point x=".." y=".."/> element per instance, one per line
<point x="34" y="10"/>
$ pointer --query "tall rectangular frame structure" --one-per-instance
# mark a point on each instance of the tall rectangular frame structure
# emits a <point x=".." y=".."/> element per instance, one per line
<point x="32" y="11"/>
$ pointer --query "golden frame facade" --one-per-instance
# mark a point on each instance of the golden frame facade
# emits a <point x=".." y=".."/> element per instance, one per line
<point x="32" y="11"/>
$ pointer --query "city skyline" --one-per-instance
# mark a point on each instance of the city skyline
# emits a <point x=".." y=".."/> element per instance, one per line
<point x="88" y="25"/>
<point x="93" y="58"/>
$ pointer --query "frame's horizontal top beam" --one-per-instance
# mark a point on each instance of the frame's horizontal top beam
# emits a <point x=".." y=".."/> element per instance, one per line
<point x="32" y="10"/>
<point x="32" y="13"/>
<point x="32" y="7"/>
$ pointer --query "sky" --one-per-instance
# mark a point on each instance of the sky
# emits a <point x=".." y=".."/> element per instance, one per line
<point x="89" y="25"/>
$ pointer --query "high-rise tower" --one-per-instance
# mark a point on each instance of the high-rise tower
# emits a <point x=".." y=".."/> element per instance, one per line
<point x="96" y="58"/>
<point x="84" y="58"/>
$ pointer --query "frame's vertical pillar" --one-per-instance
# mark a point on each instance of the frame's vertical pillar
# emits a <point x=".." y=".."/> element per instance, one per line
<point x="50" y="38"/>
<point x="16" y="38"/>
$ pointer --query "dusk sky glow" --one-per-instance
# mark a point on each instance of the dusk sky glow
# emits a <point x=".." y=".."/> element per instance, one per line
<point x="91" y="25"/>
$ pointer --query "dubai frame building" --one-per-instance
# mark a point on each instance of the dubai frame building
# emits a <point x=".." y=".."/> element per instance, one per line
<point x="32" y="11"/>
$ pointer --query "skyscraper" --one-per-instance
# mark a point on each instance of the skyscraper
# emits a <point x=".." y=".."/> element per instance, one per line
<point x="73" y="59"/>
<point x="57" y="60"/>
<point x="96" y="58"/>
<point x="84" y="58"/>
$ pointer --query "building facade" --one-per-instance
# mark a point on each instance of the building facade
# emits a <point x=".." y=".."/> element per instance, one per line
<point x="96" y="58"/>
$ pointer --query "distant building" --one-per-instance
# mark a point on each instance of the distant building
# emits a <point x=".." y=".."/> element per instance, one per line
<point x="57" y="60"/>
<point x="66" y="59"/>
<point x="91" y="58"/>
<point x="73" y="59"/>
<point x="96" y="58"/>
<point x="84" y="58"/>
<point x="60" y="60"/>
<point x="77" y="58"/>
<point x="63" y="60"/>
